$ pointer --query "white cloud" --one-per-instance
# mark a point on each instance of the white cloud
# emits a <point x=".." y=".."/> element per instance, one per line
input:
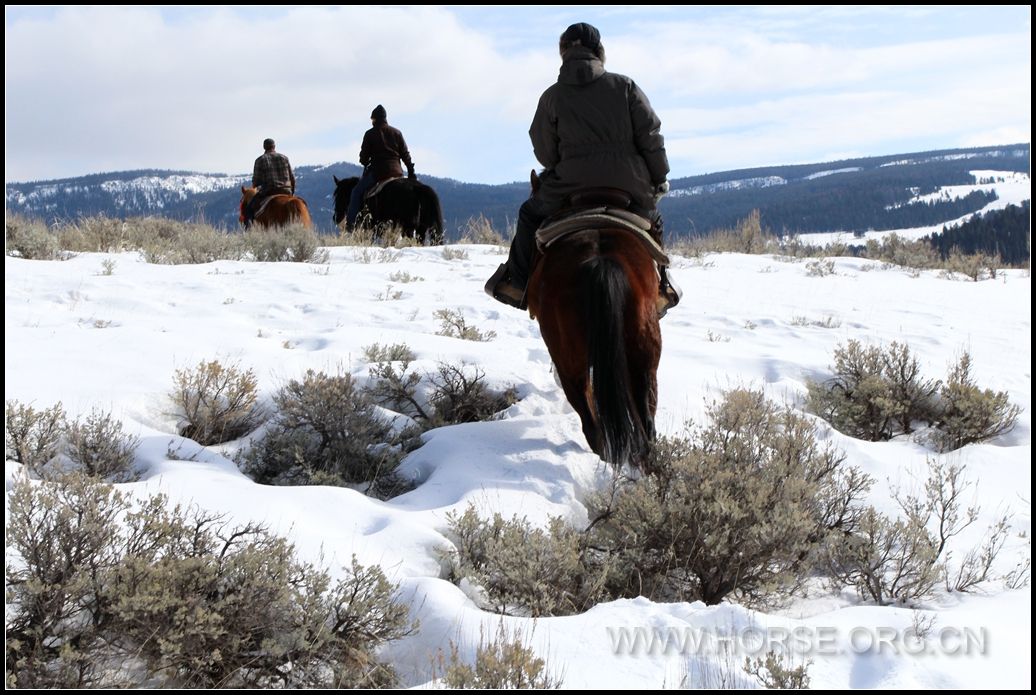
<point x="132" y="88"/>
<point x="104" y="88"/>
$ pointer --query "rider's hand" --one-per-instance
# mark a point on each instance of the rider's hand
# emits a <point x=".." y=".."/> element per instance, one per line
<point x="411" y="175"/>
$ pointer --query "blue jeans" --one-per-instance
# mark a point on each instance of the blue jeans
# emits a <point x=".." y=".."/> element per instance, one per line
<point x="365" y="183"/>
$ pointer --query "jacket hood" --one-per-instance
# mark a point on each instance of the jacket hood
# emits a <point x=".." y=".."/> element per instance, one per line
<point x="580" y="66"/>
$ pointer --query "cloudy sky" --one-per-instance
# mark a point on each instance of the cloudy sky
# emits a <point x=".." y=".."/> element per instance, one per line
<point x="114" y="88"/>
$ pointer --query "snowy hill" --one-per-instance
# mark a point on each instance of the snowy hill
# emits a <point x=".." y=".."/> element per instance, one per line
<point x="1010" y="187"/>
<point x="879" y="193"/>
<point x="90" y="339"/>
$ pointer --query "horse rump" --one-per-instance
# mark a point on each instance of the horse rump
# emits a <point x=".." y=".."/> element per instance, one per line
<point x="593" y="294"/>
<point x="429" y="213"/>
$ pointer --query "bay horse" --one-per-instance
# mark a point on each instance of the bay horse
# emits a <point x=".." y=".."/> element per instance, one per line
<point x="410" y="205"/>
<point x="278" y="210"/>
<point x="594" y="293"/>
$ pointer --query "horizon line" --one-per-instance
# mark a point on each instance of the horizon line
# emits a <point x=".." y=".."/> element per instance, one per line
<point x="509" y="183"/>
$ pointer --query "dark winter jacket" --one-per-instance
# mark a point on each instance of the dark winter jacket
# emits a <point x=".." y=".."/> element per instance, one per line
<point x="383" y="147"/>
<point x="596" y="128"/>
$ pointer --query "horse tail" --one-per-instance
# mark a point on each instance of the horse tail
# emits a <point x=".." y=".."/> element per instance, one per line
<point x="624" y="437"/>
<point x="298" y="211"/>
<point x="430" y="213"/>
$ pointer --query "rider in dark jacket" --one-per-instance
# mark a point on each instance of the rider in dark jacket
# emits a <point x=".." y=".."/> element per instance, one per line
<point x="383" y="146"/>
<point x="592" y="128"/>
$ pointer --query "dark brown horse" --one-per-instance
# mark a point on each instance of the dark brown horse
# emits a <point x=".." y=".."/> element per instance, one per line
<point x="594" y="293"/>
<point x="278" y="210"/>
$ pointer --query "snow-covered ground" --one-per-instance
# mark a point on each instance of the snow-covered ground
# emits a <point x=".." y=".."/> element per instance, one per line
<point x="113" y="341"/>
<point x="1011" y="187"/>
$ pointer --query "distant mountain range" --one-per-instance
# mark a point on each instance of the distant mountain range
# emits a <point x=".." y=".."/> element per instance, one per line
<point x="872" y="193"/>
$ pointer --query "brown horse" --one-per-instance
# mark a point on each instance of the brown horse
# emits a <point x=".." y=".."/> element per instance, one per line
<point x="278" y="211"/>
<point x="594" y="293"/>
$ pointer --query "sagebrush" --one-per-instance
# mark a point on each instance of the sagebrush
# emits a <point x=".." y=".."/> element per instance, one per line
<point x="450" y="396"/>
<point x="33" y="437"/>
<point x="104" y="593"/>
<point x="216" y="403"/>
<point x="523" y="569"/>
<point x="327" y="430"/>
<point x="97" y="446"/>
<point x="454" y="325"/>
<point x="903" y="559"/>
<point x="877" y="393"/>
<point x="744" y="506"/>
<point x="505" y="662"/>
<point x="48" y="444"/>
<point x="970" y="414"/>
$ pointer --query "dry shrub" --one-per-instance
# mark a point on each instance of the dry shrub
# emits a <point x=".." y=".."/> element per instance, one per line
<point x="396" y="352"/>
<point x="97" y="447"/>
<point x="171" y="242"/>
<point x="33" y="437"/>
<point x="216" y="403"/>
<point x="98" y="233"/>
<point x="48" y="445"/>
<point x="748" y="237"/>
<point x="453" y="325"/>
<point x="773" y="674"/>
<point x="744" y="507"/>
<point x="103" y="593"/>
<point x="888" y="560"/>
<point x="741" y="507"/>
<point x="326" y="431"/>
<point x="479" y="230"/>
<point x="902" y="560"/>
<point x="292" y="242"/>
<point x="974" y="266"/>
<point x="502" y="663"/>
<point x="523" y="569"/>
<point x="969" y="414"/>
<point x="456" y="395"/>
<point x="459" y="395"/>
<point x="31" y="240"/>
<point x="876" y="392"/>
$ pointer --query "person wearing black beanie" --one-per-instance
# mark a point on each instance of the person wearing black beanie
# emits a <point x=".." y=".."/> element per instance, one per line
<point x="382" y="149"/>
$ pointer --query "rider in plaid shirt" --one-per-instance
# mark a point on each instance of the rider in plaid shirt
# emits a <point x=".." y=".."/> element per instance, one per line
<point x="272" y="175"/>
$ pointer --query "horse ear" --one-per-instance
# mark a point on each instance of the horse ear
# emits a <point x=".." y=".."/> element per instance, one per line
<point x="336" y="179"/>
<point x="242" y="190"/>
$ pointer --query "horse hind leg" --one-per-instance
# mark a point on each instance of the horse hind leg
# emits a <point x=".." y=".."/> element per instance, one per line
<point x="580" y="397"/>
